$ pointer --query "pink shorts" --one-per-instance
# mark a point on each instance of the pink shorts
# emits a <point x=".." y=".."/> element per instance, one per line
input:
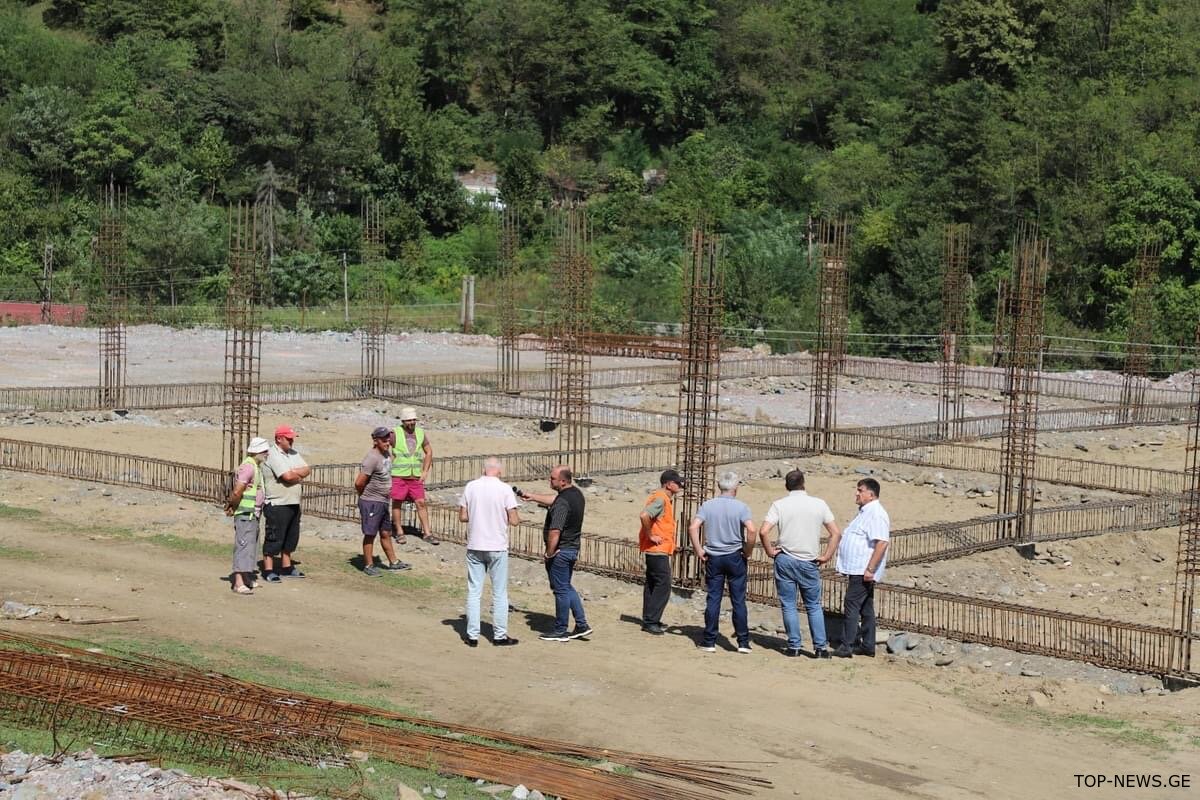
<point x="407" y="489"/>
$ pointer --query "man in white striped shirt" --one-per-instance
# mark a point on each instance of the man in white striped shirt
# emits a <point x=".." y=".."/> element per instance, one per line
<point x="862" y="557"/>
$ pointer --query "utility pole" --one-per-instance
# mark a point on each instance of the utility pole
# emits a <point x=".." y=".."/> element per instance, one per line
<point x="45" y="286"/>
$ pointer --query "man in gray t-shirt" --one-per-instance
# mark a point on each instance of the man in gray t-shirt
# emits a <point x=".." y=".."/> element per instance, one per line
<point x="374" y="485"/>
<point x="728" y="542"/>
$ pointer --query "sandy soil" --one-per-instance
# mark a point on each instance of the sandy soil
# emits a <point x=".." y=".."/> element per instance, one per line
<point x="869" y="728"/>
<point x="874" y="728"/>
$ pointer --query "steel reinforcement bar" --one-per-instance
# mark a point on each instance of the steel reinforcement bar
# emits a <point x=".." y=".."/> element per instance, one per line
<point x="1110" y="643"/>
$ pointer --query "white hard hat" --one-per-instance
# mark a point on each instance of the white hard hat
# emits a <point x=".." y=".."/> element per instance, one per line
<point x="258" y="445"/>
<point x="407" y="414"/>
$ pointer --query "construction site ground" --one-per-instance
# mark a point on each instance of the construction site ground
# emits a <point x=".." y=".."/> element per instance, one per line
<point x="900" y="724"/>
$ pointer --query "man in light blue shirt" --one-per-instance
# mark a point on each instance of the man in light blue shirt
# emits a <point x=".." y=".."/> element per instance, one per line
<point x="728" y="542"/>
<point x="862" y="558"/>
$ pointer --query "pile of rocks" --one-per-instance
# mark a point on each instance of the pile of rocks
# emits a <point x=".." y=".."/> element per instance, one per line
<point x="87" y="775"/>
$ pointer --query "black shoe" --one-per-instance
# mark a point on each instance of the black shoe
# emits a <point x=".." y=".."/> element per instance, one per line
<point x="471" y="642"/>
<point x="555" y="636"/>
<point x="863" y="651"/>
<point x="843" y="652"/>
<point x="821" y="652"/>
<point x="507" y="641"/>
<point x="793" y="652"/>
<point x="656" y="628"/>
<point x="581" y="632"/>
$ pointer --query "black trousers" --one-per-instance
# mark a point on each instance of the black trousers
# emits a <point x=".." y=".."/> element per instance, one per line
<point x="859" y="626"/>
<point x="657" y="592"/>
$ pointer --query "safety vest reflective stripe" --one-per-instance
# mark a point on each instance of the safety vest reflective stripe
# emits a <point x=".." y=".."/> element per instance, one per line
<point x="246" y="506"/>
<point x="404" y="463"/>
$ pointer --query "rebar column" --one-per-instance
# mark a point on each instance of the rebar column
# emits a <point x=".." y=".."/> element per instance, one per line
<point x="830" y="354"/>
<point x="375" y="298"/>
<point x="1001" y="321"/>
<point x="1141" y="332"/>
<point x="1031" y="258"/>
<point x="112" y="303"/>
<point x="699" y="378"/>
<point x="572" y="365"/>
<point x="243" y="337"/>
<point x="508" y="357"/>
<point x="955" y="288"/>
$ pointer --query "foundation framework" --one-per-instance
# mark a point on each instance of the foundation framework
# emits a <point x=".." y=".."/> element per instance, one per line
<point x="1031" y="258"/>
<point x="1141" y="332"/>
<point x="955" y="288"/>
<point x="243" y="337"/>
<point x="375" y="297"/>
<point x="112" y="303"/>
<point x="830" y="355"/>
<point x="571" y="363"/>
<point x="699" y="375"/>
<point x="508" y="354"/>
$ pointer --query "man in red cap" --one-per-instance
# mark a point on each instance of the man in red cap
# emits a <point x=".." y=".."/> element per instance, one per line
<point x="282" y="473"/>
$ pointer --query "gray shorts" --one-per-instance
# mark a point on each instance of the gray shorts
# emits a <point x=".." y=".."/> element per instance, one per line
<point x="245" y="544"/>
<point x="376" y="517"/>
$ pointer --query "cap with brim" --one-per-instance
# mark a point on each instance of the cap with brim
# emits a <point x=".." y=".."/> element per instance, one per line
<point x="258" y="445"/>
<point x="286" y="430"/>
<point x="671" y="475"/>
<point x="381" y="433"/>
<point x="407" y="413"/>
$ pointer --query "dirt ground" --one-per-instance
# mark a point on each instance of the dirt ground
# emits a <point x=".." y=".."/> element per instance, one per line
<point x="872" y="728"/>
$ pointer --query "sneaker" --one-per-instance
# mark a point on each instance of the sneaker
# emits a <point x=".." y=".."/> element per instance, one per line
<point x="507" y="641"/>
<point x="396" y="566"/>
<point x="372" y="571"/>
<point x="821" y="652"/>
<point x="843" y="652"/>
<point x="796" y="652"/>
<point x="555" y="637"/>
<point x="580" y="632"/>
<point x="707" y="648"/>
<point x="744" y="648"/>
<point x="272" y="577"/>
<point x="294" y="573"/>
<point x="869" y="652"/>
<point x="471" y="642"/>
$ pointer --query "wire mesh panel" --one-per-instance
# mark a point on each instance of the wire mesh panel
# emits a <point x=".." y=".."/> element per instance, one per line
<point x="955" y="289"/>
<point x="830" y="355"/>
<point x="508" y="355"/>
<point x="375" y="297"/>
<point x="1141" y="332"/>
<point x="243" y="338"/>
<point x="112" y="303"/>
<point x="1031" y="258"/>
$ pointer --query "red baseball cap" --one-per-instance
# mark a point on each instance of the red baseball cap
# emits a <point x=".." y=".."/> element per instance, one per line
<point x="286" y="430"/>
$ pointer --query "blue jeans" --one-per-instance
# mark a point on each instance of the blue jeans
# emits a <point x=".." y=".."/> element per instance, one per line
<point x="566" y="600"/>
<point x="792" y="574"/>
<point x="495" y="564"/>
<point x="718" y="570"/>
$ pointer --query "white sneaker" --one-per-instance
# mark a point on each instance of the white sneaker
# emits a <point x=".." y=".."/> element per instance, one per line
<point x="707" y="648"/>
<point x="743" y="648"/>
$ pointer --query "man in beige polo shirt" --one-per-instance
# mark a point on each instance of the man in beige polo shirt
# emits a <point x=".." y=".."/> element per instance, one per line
<point x="798" y="559"/>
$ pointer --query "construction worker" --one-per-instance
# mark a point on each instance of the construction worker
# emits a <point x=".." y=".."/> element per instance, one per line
<point x="656" y="540"/>
<point x="245" y="504"/>
<point x="412" y="458"/>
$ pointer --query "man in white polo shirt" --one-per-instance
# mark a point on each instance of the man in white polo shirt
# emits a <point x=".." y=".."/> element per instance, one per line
<point x="862" y="558"/>
<point x="798" y="559"/>
<point x="488" y="506"/>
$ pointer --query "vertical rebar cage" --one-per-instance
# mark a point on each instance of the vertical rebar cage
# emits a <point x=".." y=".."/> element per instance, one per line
<point x="112" y="302"/>
<point x="375" y="296"/>
<point x="508" y="357"/>
<point x="955" y="289"/>
<point x="830" y="354"/>
<point x="569" y="360"/>
<point x="1031" y="260"/>
<point x="1141" y="331"/>
<point x="1187" y="559"/>
<point x="243" y="337"/>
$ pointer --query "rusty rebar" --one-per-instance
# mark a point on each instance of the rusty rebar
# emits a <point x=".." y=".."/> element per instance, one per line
<point x="830" y="352"/>
<point x="373" y="295"/>
<point x="112" y="303"/>
<point x="508" y="353"/>
<point x="243" y="337"/>
<point x="1141" y="331"/>
<point x="955" y="291"/>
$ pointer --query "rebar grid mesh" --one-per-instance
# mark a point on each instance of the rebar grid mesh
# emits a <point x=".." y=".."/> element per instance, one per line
<point x="1141" y="331"/>
<point x="572" y="365"/>
<point x="112" y="306"/>
<point x="508" y="354"/>
<point x="699" y="374"/>
<point x="1031" y="260"/>
<point x="830" y="353"/>
<point x="374" y="295"/>
<point x="243" y="337"/>
<point x="955" y="288"/>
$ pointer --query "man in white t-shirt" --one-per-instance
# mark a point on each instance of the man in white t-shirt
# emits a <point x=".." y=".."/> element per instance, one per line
<point x="862" y="558"/>
<point x="798" y="559"/>
<point x="488" y="506"/>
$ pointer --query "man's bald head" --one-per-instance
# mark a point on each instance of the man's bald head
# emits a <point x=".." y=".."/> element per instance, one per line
<point x="493" y="467"/>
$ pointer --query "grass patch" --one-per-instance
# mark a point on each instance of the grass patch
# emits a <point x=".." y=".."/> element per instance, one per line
<point x="16" y="554"/>
<point x="1112" y="728"/>
<point x="17" y="512"/>
<point x="187" y="545"/>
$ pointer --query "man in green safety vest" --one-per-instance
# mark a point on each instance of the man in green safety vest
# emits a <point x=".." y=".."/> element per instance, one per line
<point x="244" y="504"/>
<point x="412" y="458"/>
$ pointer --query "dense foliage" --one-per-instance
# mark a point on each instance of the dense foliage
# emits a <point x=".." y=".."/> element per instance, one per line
<point x="1080" y="115"/>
